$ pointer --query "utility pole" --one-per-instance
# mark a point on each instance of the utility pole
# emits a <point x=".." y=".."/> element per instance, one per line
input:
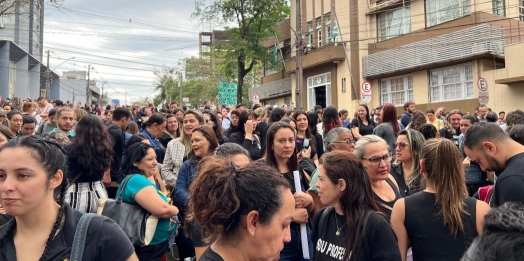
<point x="180" y="87"/>
<point x="47" y="77"/>
<point x="73" y="98"/>
<point x="298" y="57"/>
<point x="88" y="91"/>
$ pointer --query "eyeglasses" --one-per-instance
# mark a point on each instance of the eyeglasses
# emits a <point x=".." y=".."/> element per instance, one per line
<point x="347" y="141"/>
<point x="401" y="145"/>
<point x="376" y="160"/>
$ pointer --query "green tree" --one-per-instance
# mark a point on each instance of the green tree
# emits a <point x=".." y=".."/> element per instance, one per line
<point x="165" y="82"/>
<point x="254" y="21"/>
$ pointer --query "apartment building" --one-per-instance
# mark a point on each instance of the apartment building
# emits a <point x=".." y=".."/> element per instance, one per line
<point x="434" y="52"/>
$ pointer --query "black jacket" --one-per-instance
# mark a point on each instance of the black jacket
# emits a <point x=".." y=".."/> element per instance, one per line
<point x="253" y="146"/>
<point x="117" y="137"/>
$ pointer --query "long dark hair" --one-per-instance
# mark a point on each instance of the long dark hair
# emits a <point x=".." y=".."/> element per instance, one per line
<point x="309" y="134"/>
<point x="217" y="128"/>
<point x="389" y="115"/>
<point x="330" y="119"/>
<point x="276" y="114"/>
<point x="368" y="118"/>
<point x="271" y="160"/>
<point x="231" y="127"/>
<point x="242" y="119"/>
<point x="135" y="153"/>
<point x="312" y="121"/>
<point x="356" y="200"/>
<point x="91" y="148"/>
<point x="52" y="158"/>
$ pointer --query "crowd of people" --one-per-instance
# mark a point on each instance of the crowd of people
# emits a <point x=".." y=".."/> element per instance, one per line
<point x="220" y="181"/>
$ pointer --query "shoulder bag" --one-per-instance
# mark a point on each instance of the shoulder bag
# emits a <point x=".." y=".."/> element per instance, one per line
<point x="138" y="224"/>
<point x="77" y="250"/>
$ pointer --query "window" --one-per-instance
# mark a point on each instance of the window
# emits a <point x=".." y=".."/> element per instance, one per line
<point x="319" y="32"/>
<point x="441" y="11"/>
<point x="498" y="7"/>
<point x="343" y="85"/>
<point x="272" y="103"/>
<point x="394" y="23"/>
<point x="327" y="25"/>
<point x="451" y="83"/>
<point x="396" y="90"/>
<point x="521" y="11"/>
<point x="288" y="101"/>
<point x="310" y="31"/>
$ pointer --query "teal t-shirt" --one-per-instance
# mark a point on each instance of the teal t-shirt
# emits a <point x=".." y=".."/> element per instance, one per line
<point x="136" y="183"/>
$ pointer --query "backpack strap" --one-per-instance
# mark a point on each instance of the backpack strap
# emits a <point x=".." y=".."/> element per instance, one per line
<point x="77" y="250"/>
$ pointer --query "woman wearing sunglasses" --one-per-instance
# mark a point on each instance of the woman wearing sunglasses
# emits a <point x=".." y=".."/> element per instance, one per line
<point x="407" y="169"/>
<point x="373" y="151"/>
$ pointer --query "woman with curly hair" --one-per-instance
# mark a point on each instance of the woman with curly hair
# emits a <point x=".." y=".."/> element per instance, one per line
<point x="418" y="119"/>
<point x="89" y="156"/>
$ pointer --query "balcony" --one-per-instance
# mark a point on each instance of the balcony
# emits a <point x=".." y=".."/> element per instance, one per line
<point x="460" y="45"/>
<point x="272" y="90"/>
<point x="326" y="54"/>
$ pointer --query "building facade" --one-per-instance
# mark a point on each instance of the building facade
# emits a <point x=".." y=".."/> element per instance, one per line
<point x="73" y="88"/>
<point x="432" y="52"/>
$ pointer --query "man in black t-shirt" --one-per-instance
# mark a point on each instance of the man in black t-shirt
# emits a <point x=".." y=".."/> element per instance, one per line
<point x="489" y="146"/>
<point x="116" y="127"/>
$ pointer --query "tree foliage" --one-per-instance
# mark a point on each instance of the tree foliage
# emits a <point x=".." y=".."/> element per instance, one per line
<point x="9" y="8"/>
<point x="248" y="23"/>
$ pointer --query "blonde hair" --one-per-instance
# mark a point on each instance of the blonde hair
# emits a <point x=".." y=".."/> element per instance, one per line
<point x="79" y="113"/>
<point x="186" y="140"/>
<point x="261" y="114"/>
<point x="360" y="146"/>
<point x="443" y="169"/>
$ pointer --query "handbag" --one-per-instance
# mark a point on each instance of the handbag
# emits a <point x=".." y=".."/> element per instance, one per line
<point x="138" y="224"/>
<point x="77" y="250"/>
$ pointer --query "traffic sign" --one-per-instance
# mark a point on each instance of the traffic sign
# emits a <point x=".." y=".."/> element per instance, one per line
<point x="185" y="99"/>
<point x="482" y="85"/>
<point x="366" y="92"/>
<point x="256" y="98"/>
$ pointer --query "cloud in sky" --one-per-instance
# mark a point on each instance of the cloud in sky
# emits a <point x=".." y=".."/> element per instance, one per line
<point x="124" y="40"/>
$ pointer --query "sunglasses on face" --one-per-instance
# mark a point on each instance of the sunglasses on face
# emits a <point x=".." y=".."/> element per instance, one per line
<point x="376" y="160"/>
<point x="400" y="145"/>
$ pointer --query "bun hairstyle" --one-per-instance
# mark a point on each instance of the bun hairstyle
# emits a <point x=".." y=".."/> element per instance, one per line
<point x="222" y="195"/>
<point x="52" y="158"/>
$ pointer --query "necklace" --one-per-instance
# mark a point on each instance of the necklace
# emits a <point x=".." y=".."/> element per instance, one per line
<point x="338" y="228"/>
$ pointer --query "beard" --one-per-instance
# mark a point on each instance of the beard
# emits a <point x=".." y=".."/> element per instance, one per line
<point x="493" y="164"/>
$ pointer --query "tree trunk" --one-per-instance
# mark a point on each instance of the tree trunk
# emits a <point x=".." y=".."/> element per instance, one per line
<point x="240" y="81"/>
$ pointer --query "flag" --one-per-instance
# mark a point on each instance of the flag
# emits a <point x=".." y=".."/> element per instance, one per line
<point x="335" y="32"/>
<point x="275" y="53"/>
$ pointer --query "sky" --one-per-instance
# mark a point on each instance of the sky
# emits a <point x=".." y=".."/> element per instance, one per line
<point x="125" y="41"/>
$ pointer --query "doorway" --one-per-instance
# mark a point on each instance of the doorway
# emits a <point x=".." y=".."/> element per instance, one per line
<point x="320" y="96"/>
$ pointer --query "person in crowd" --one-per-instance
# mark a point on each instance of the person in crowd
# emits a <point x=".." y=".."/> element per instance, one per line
<point x="362" y="125"/>
<point x="179" y="112"/>
<point x="240" y="158"/>
<point x="79" y="113"/>
<point x="131" y="129"/>
<point x="429" y="131"/>
<point x="409" y="108"/>
<point x="517" y="133"/>
<point x="280" y="154"/>
<point x="241" y="210"/>
<point x="482" y="113"/>
<point x="489" y="146"/>
<point x="337" y="139"/>
<point x="501" y="119"/>
<point x="121" y="118"/>
<point x="320" y="113"/>
<point x="289" y="114"/>
<point x="50" y="124"/>
<point x="304" y="132"/>
<point x="244" y="136"/>
<point x="407" y="169"/>
<point x="374" y="153"/>
<point x="291" y="122"/>
<point x="107" y="116"/>
<point x="58" y="104"/>
<point x="226" y="121"/>
<point x="276" y="115"/>
<point x="135" y="138"/>
<point x="5" y="135"/>
<point x="178" y="150"/>
<point x="389" y="128"/>
<point x="211" y="120"/>
<point x="235" y="115"/>
<point x="351" y="222"/>
<point x="440" y="113"/>
<point x="503" y="235"/>
<point x="3" y="120"/>
<point x="15" y="122"/>
<point x="64" y="122"/>
<point x="153" y="129"/>
<point x="7" y="108"/>
<point x="418" y="119"/>
<point x="172" y="130"/>
<point x="43" y="226"/>
<point x="441" y="221"/>
<point x="140" y="167"/>
<point x="88" y="159"/>
<point x="261" y="129"/>
<point x="330" y="119"/>
<point x="29" y="109"/>
<point x="45" y="105"/>
<point x="59" y="137"/>
<point x="452" y="129"/>
<point x="432" y="119"/>
<point x="344" y="114"/>
<point x="475" y="177"/>
<point x="492" y="117"/>
<point x="513" y="117"/>
<point x="203" y="143"/>
<point x="313" y="121"/>
<point x="28" y="125"/>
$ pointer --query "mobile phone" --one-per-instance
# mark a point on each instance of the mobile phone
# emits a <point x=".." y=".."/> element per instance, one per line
<point x="305" y="145"/>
